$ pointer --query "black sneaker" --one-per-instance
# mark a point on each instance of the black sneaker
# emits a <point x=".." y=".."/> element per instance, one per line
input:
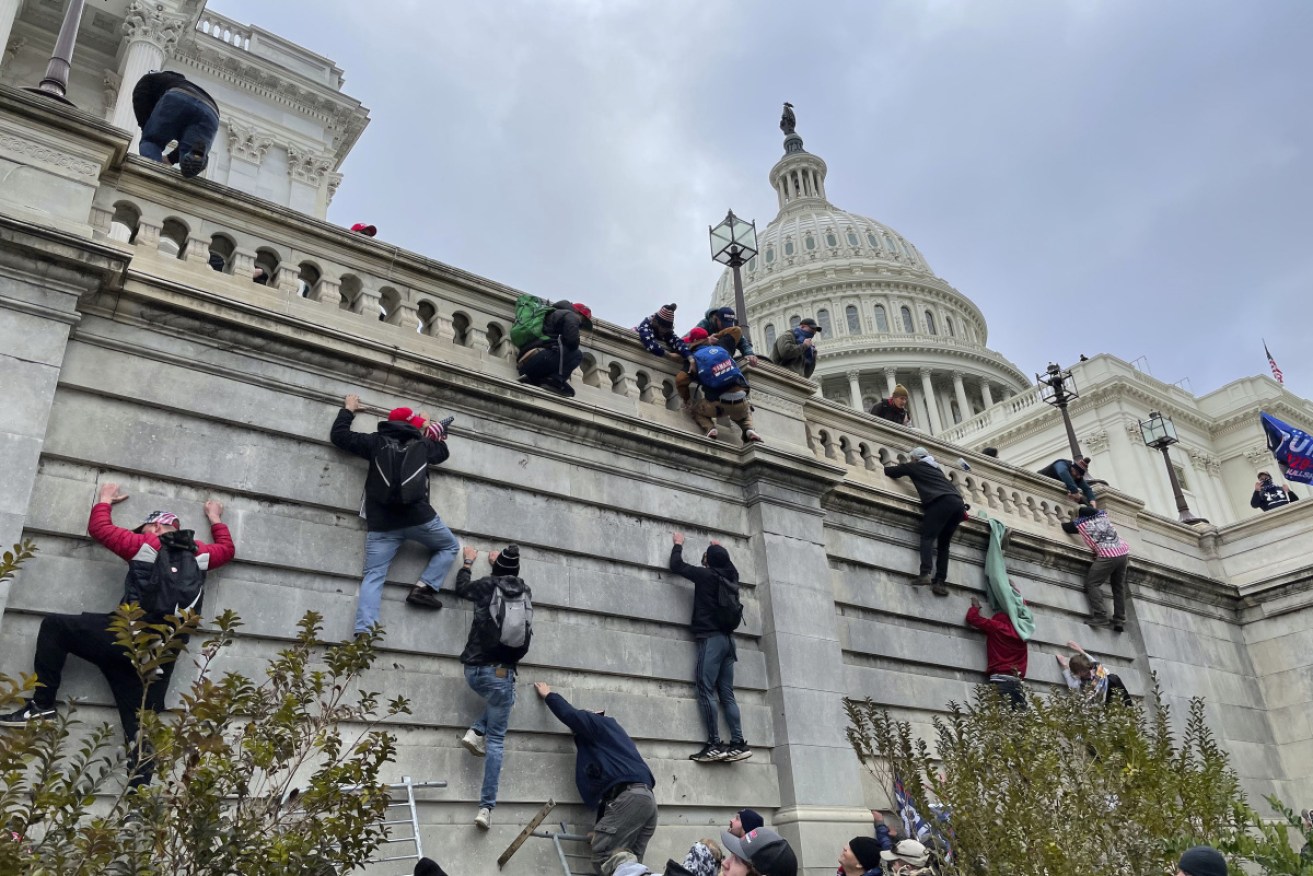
<point x="559" y="386"/>
<point x="29" y="712"/>
<point x="737" y="751"/>
<point x="424" y="596"/>
<point x="710" y="753"/>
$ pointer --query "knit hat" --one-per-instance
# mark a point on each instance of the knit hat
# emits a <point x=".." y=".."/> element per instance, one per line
<point x="429" y="867"/>
<point x="750" y="818"/>
<point x="1202" y="861"/>
<point x="367" y="230"/>
<point x="164" y="518"/>
<point x="866" y="850"/>
<point x="900" y="391"/>
<point x="666" y="314"/>
<point x="908" y="850"/>
<point x="508" y="561"/>
<point x="697" y="334"/>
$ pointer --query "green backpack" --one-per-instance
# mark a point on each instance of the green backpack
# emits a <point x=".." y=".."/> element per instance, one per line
<point x="530" y="312"/>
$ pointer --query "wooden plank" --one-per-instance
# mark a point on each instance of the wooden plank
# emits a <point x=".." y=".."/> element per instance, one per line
<point x="526" y="833"/>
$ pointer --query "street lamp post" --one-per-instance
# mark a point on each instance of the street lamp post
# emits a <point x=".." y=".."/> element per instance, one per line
<point x="1058" y="388"/>
<point x="734" y="243"/>
<point x="55" y="83"/>
<point x="1159" y="432"/>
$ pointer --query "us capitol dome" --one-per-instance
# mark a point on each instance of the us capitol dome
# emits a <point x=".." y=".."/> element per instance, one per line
<point x="886" y="318"/>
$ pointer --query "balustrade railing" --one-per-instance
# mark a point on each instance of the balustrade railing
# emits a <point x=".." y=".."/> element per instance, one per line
<point x="225" y="30"/>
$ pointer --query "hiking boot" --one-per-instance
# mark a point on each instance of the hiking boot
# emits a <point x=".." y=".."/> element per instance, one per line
<point x="484" y="819"/>
<point x="423" y="596"/>
<point x="920" y="581"/>
<point x="475" y="743"/>
<point x="752" y="437"/>
<point x="710" y="753"/>
<point x="29" y="712"/>
<point x="939" y="588"/>
<point x="1118" y="624"/>
<point x="737" y="751"/>
<point x="558" y="386"/>
<point x="1098" y="623"/>
<point x="712" y="433"/>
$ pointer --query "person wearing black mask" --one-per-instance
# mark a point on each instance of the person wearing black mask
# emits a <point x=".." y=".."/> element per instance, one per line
<point x="1269" y="495"/>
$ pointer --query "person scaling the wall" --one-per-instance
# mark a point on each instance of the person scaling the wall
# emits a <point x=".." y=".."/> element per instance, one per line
<point x="942" y="511"/>
<point x="725" y="388"/>
<point x="168" y="107"/>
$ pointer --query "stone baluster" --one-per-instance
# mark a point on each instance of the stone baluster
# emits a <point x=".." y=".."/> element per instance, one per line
<point x="198" y="251"/>
<point x="405" y="315"/>
<point x="100" y="218"/>
<point x="329" y="293"/>
<point x="288" y="280"/>
<point x="621" y="382"/>
<point x="477" y="339"/>
<point x="148" y="236"/>
<point x="243" y="264"/>
<point x="368" y="305"/>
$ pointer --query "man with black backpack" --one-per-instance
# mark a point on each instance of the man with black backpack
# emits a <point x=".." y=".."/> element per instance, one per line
<point x="717" y="613"/>
<point x="166" y="575"/>
<point x="546" y="339"/>
<point x="499" y="638"/>
<point x="396" y="503"/>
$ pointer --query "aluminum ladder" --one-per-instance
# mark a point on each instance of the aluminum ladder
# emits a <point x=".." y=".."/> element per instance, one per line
<point x="572" y="849"/>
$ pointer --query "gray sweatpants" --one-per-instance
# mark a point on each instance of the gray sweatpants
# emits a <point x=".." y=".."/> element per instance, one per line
<point x="1113" y="571"/>
<point x="627" y="824"/>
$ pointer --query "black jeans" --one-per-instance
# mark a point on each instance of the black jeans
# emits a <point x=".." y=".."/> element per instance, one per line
<point x="552" y="360"/>
<point x="939" y="521"/>
<point x="87" y="636"/>
<point x="1012" y="690"/>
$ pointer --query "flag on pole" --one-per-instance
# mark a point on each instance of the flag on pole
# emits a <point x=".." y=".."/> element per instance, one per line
<point x="1293" y="448"/>
<point x="1276" y="372"/>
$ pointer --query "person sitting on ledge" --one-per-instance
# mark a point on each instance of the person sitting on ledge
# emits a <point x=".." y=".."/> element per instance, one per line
<point x="1072" y="474"/>
<point x="796" y="348"/>
<point x="894" y="408"/>
<point x="725" y="391"/>
<point x="168" y="107"/>
<point x="550" y="352"/>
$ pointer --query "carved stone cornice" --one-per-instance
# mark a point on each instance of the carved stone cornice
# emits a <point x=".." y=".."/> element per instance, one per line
<point x="334" y="180"/>
<point x="1204" y="461"/>
<point x="1096" y="441"/>
<point x="1259" y="456"/>
<point x="307" y="166"/>
<point x="248" y="142"/>
<point x="149" y="22"/>
<point x="52" y="158"/>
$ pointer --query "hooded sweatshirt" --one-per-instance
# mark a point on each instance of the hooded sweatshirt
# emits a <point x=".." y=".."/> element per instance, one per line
<point x="706" y="585"/>
<point x="378" y="516"/>
<point x="930" y="482"/>
<point x="483" y="647"/>
<point x="562" y="325"/>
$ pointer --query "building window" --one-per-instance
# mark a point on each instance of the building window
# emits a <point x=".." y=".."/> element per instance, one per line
<point x="810" y="242"/>
<point x="770" y="254"/>
<point x="874" y="242"/>
<point x="955" y="411"/>
<point x="788" y="247"/>
<point x="795" y="321"/>
<point x="770" y="335"/>
<point x="854" y="326"/>
<point x="831" y="240"/>
<point x="890" y="245"/>
<point x="930" y="323"/>
<point x="908" y="325"/>
<point x="948" y="321"/>
<point x="1180" y="476"/>
<point x="823" y="320"/>
<point x="881" y="319"/>
<point x="853" y="239"/>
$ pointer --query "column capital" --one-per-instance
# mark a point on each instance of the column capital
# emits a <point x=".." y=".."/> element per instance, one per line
<point x="853" y="375"/>
<point x="248" y="142"/>
<point x="891" y="372"/>
<point x="927" y="373"/>
<point x="307" y="166"/>
<point x="150" y="23"/>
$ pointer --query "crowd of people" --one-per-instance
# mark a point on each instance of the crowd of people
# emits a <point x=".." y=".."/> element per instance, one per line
<point x="167" y="568"/>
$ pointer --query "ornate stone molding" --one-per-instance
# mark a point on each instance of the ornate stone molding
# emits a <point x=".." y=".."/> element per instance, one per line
<point x="1259" y="456"/>
<point x="110" y="82"/>
<point x="1096" y="441"/>
<point x="54" y="159"/>
<point x="334" y="180"/>
<point x="248" y="142"/>
<point x="148" y="22"/>
<point x="1204" y="461"/>
<point x="308" y="167"/>
<point x="12" y="49"/>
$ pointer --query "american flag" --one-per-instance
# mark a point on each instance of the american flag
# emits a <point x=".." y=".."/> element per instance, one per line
<point x="1276" y="372"/>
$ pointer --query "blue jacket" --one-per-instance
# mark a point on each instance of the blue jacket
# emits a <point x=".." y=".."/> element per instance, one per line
<point x="658" y="340"/>
<point x="606" y="756"/>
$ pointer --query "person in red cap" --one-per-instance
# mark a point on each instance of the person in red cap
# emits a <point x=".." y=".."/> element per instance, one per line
<point x="396" y="503"/>
<point x="552" y="355"/>
<point x="87" y="635"/>
<point x="362" y="228"/>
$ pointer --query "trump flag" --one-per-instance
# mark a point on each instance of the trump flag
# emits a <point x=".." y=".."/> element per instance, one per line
<point x="1293" y="449"/>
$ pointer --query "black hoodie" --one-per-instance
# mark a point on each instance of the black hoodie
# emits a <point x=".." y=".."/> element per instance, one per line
<point x="482" y="647"/>
<point x="706" y="585"/>
<point x="380" y="517"/>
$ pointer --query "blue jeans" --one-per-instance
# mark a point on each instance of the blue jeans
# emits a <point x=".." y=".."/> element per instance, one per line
<point x="715" y="679"/>
<point x="500" y="696"/>
<point x="382" y="547"/>
<point x="182" y="117"/>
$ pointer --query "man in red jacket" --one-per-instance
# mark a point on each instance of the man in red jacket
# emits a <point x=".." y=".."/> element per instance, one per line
<point x="1006" y="653"/>
<point x="87" y="635"/>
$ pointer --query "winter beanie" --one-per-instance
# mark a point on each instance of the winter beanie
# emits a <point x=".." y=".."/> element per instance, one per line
<point x="750" y="818"/>
<point x="1202" y="861"/>
<point x="508" y="561"/>
<point x="429" y="867"/>
<point x="666" y="314"/>
<point x="900" y="391"/>
<point x="866" y="850"/>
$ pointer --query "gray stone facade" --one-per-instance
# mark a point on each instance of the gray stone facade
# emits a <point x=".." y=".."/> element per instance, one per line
<point x="126" y="362"/>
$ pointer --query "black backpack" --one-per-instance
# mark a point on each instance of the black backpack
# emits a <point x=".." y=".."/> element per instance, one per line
<point x="729" y="608"/>
<point x="176" y="581"/>
<point x="399" y="472"/>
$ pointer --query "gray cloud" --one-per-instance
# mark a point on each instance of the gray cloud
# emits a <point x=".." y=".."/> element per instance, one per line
<point x="1112" y="176"/>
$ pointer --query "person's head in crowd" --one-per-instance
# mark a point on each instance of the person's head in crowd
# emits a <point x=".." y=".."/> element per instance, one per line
<point x="810" y="327"/>
<point x="1080" y="467"/>
<point x="1086" y="510"/>
<point x="696" y="335"/>
<point x="1201" y="861"/>
<point x="723" y="318"/>
<point x="1264" y="477"/>
<point x="991" y="452"/>
<point x="429" y="867"/>
<point x="158" y="523"/>
<point x="760" y="852"/>
<point x="907" y="854"/>
<point x="362" y="228"/>
<point x="665" y="317"/>
<point x="860" y="855"/>
<point x="898" y="398"/>
<point x="703" y="859"/>
<point x="745" y="819"/>
<point x="1082" y="667"/>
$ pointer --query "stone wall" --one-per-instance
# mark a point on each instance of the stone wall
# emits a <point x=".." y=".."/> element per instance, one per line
<point x="181" y="383"/>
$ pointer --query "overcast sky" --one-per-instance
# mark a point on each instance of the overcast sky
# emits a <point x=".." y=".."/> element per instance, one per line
<point x="1097" y="175"/>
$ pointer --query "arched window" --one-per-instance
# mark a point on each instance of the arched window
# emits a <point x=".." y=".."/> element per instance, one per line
<point x="948" y="321"/>
<point x="874" y="241"/>
<point x="770" y="335"/>
<point x="881" y="319"/>
<point x="908" y="325"/>
<point x="788" y="247"/>
<point x="831" y="240"/>
<point x="930" y="323"/>
<point x="854" y="326"/>
<point x="795" y="321"/>
<point x="890" y="245"/>
<point x="770" y="254"/>
<point x="823" y="320"/>
<point x="810" y="242"/>
<point x="853" y="239"/>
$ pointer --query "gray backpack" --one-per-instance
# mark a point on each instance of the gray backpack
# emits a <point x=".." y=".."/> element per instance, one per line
<point x="512" y="615"/>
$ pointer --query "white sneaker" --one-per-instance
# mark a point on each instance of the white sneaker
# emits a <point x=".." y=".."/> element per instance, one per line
<point x="484" y="819"/>
<point x="712" y="433"/>
<point x="474" y="743"/>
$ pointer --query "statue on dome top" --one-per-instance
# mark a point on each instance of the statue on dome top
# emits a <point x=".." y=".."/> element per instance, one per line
<point x="788" y="121"/>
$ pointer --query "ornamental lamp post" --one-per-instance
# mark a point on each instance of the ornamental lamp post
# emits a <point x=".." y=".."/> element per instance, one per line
<point x="1159" y="432"/>
<point x="734" y="243"/>
<point x="1058" y="388"/>
<point x="55" y="83"/>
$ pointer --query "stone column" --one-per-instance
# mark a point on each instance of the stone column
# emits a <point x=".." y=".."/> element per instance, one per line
<point x="855" y="389"/>
<point x="963" y="403"/>
<point x="8" y="12"/>
<point x="986" y="395"/>
<point x="152" y="36"/>
<point x="890" y="380"/>
<point x="42" y="277"/>
<point x="931" y="404"/>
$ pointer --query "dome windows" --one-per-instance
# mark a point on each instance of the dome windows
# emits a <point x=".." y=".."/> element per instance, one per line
<point x="770" y="255"/>
<point x="823" y="320"/>
<point x="908" y="325"/>
<point x="809" y="241"/>
<point x="948" y="323"/>
<point x="930" y="323"/>
<point x="873" y="240"/>
<point x="881" y="319"/>
<point x="770" y="334"/>
<point x="830" y="240"/>
<point x="891" y="246"/>
<point x="788" y="246"/>
<point x="853" y="239"/>
<point x="795" y="321"/>
<point x="854" y="325"/>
